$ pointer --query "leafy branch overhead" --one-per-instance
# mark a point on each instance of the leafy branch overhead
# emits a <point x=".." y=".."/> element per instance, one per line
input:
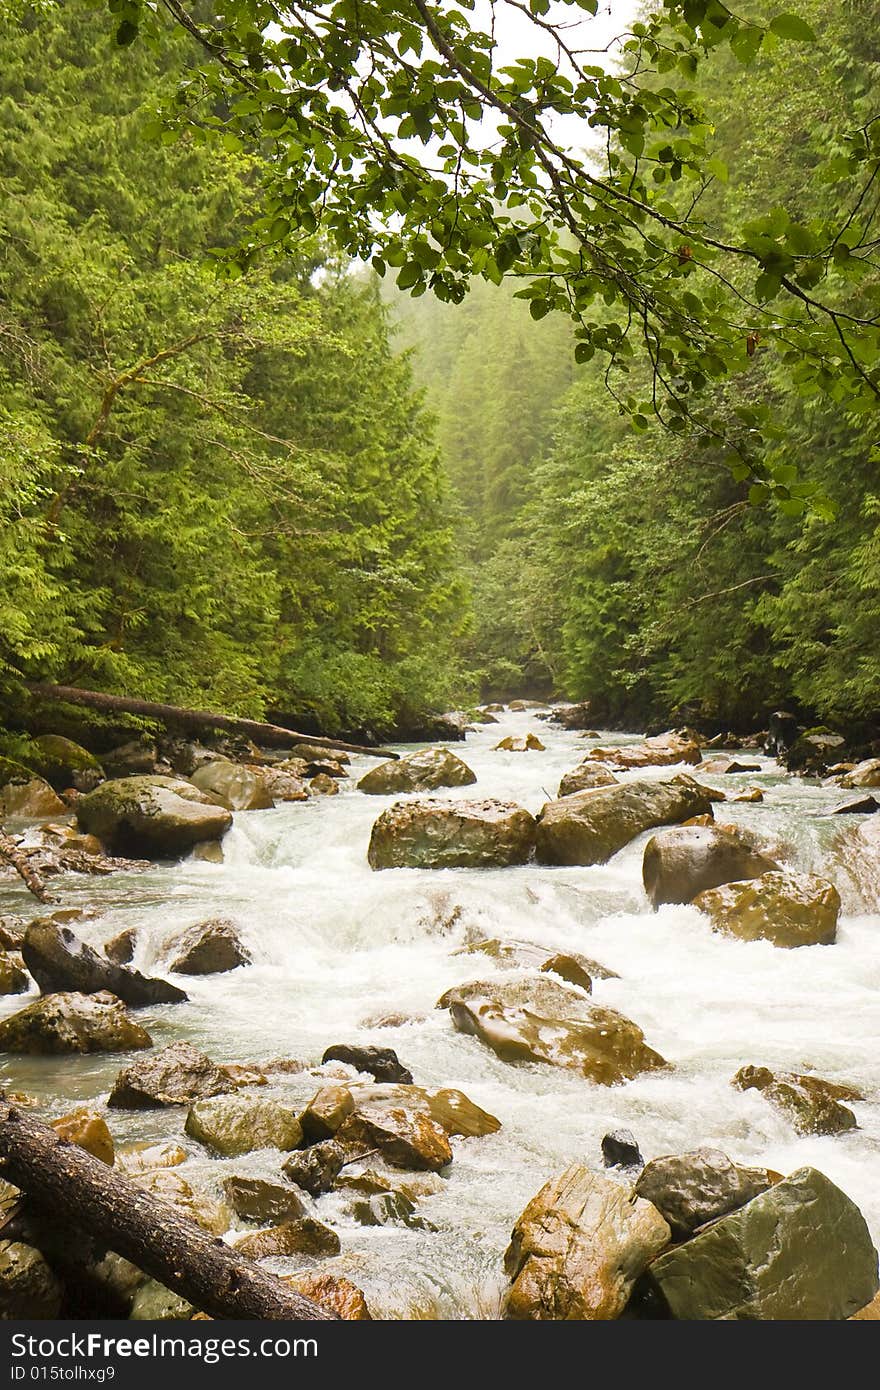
<point x="399" y="130"/>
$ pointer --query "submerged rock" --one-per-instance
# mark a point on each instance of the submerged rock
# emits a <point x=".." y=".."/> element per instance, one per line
<point x="233" y="1125"/>
<point x="517" y="953"/>
<point x="210" y="948"/>
<point x="538" y="1020"/>
<point x="70" y="1022"/>
<point x="422" y="771"/>
<point x="811" y="1104"/>
<point x="683" y="861"/>
<point x="433" y="834"/>
<point x="254" y="1199"/>
<point x="692" y="1188"/>
<point x="382" y="1063"/>
<point x="233" y="786"/>
<point x="589" y="827"/>
<point x="174" y="1075"/>
<point x="586" y="777"/>
<point x="785" y="908"/>
<point x="59" y="960"/>
<point x="151" y="817"/>
<point x="800" y="1251"/>
<point x="578" y="1248"/>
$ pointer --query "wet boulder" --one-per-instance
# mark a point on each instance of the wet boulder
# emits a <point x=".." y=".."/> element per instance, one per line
<point x="692" y="1188"/>
<point x="305" y="1236"/>
<point x="196" y="1206"/>
<point x="589" y="827"/>
<point x="144" y="1157"/>
<point x="405" y="1137"/>
<point x="569" y="965"/>
<point x="151" y="817"/>
<point x="322" y="784"/>
<point x="316" y="1168"/>
<point x="60" y="960"/>
<point x="530" y="743"/>
<point x="26" y="796"/>
<point x="13" y="978"/>
<point x="174" y="1075"/>
<point x="326" y="1112"/>
<point x="332" y="1292"/>
<point x="28" y="1287"/>
<point x="434" y="834"/>
<point x="314" y="753"/>
<point x="138" y="757"/>
<point x="254" y="1199"/>
<point x="800" y="1251"/>
<point x="811" y="1104"/>
<point x="422" y="771"/>
<point x="782" y="732"/>
<point x="814" y="751"/>
<point x="64" y="763"/>
<point x="785" y="908"/>
<point x="573" y="716"/>
<point x="683" y="861"/>
<point x="864" y="774"/>
<point x="210" y="948"/>
<point x="539" y="1020"/>
<point x="664" y="750"/>
<point x="120" y="948"/>
<point x="382" y="1063"/>
<point x="282" y="784"/>
<point x="855" y="806"/>
<point x="71" y="1022"/>
<point x="620" y="1149"/>
<point x="586" y="777"/>
<point x="87" y="1129"/>
<point x="233" y="786"/>
<point x="234" y="1125"/>
<point x="578" y="1248"/>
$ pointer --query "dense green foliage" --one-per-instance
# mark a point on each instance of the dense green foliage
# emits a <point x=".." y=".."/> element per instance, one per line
<point x="214" y="492"/>
<point x="637" y="572"/>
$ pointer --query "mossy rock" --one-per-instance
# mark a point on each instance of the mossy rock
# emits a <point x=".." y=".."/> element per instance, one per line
<point x="64" y="763"/>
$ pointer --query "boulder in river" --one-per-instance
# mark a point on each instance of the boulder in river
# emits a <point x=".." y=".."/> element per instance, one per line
<point x="197" y="1206"/>
<point x="314" y="753"/>
<point x="87" y="1129"/>
<point x="13" y="978"/>
<point x="255" y="1199"/>
<point x="210" y="948"/>
<point x="530" y="743"/>
<point x="683" y="861"/>
<point x="566" y="964"/>
<point x="782" y="732"/>
<point x="233" y="786"/>
<point x="316" y="1168"/>
<point x="120" y="948"/>
<point x="70" y="1022"/>
<point x="620" y="1149"/>
<point x="800" y="1251"/>
<point x="406" y="1138"/>
<point x="332" y="1292"/>
<point x="864" y="774"/>
<point x="325" y="1113"/>
<point x="664" y="750"/>
<point x="281" y="783"/>
<point x="575" y="716"/>
<point x="151" y="817"/>
<point x="382" y="1063"/>
<point x="539" y="1020"/>
<point x="139" y="756"/>
<point x="59" y="960"/>
<point x="28" y="1287"/>
<point x="178" y="1074"/>
<point x="322" y="784"/>
<point x="304" y="1236"/>
<point x="578" y="1248"/>
<point x="64" y="763"/>
<point x="693" y="1188"/>
<point x="422" y="771"/>
<point x="434" y="834"/>
<point x="589" y="827"/>
<point x="786" y="908"/>
<point x="25" y="795"/>
<point x="811" y="1104"/>
<point x="586" y="777"/>
<point x="814" y="751"/>
<point x="233" y="1125"/>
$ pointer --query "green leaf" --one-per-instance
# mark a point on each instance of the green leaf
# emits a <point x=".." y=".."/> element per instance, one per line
<point x="791" y="26"/>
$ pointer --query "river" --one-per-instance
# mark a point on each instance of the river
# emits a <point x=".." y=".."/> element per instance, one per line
<point x="336" y="946"/>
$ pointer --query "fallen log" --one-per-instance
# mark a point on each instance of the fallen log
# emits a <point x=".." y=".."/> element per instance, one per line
<point x="69" y="1186"/>
<point x="16" y="856"/>
<point x="272" y="735"/>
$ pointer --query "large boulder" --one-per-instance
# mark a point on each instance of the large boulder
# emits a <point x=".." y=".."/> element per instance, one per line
<point x="433" y="834"/>
<point x="59" y="960"/>
<point x="811" y="1104"/>
<point x="69" y="1022"/>
<point x="283" y="783"/>
<point x="782" y="732"/>
<point x="406" y="1137"/>
<point x="586" y="777"/>
<point x="677" y="746"/>
<point x="864" y="774"/>
<point x="529" y="743"/>
<point x="814" y="751"/>
<point x="569" y="965"/>
<point x="233" y="1125"/>
<point x="540" y="1020"/>
<point x="573" y="716"/>
<point x="25" y="796"/>
<point x="382" y="1063"/>
<point x="28" y="1288"/>
<point x="578" y="1248"/>
<point x="785" y="908"/>
<point x="589" y="827"/>
<point x="178" y="1074"/>
<point x="800" y="1251"/>
<point x="693" y="1188"/>
<point x="254" y="1199"/>
<point x="685" y="860"/>
<point x="316" y="1168"/>
<point x="422" y="771"/>
<point x="151" y="817"/>
<point x="13" y="979"/>
<point x="64" y="763"/>
<point x="210" y="948"/>
<point x="332" y="1292"/>
<point x="87" y="1129"/>
<point x="304" y="1236"/>
<point x="451" y="1110"/>
<point x="233" y="786"/>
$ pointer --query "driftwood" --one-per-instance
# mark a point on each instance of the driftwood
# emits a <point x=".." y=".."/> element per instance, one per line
<point x="11" y="852"/>
<point x="272" y="735"/>
<point x="67" y="1185"/>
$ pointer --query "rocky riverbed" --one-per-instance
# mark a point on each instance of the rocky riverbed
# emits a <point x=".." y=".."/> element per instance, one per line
<point x="537" y="963"/>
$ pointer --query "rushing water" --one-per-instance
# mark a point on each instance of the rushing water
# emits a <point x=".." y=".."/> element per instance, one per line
<point x="336" y="947"/>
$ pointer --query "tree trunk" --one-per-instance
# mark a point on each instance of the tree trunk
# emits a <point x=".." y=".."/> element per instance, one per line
<point x="10" y="851"/>
<point x="272" y="735"/>
<point x="67" y="1185"/>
